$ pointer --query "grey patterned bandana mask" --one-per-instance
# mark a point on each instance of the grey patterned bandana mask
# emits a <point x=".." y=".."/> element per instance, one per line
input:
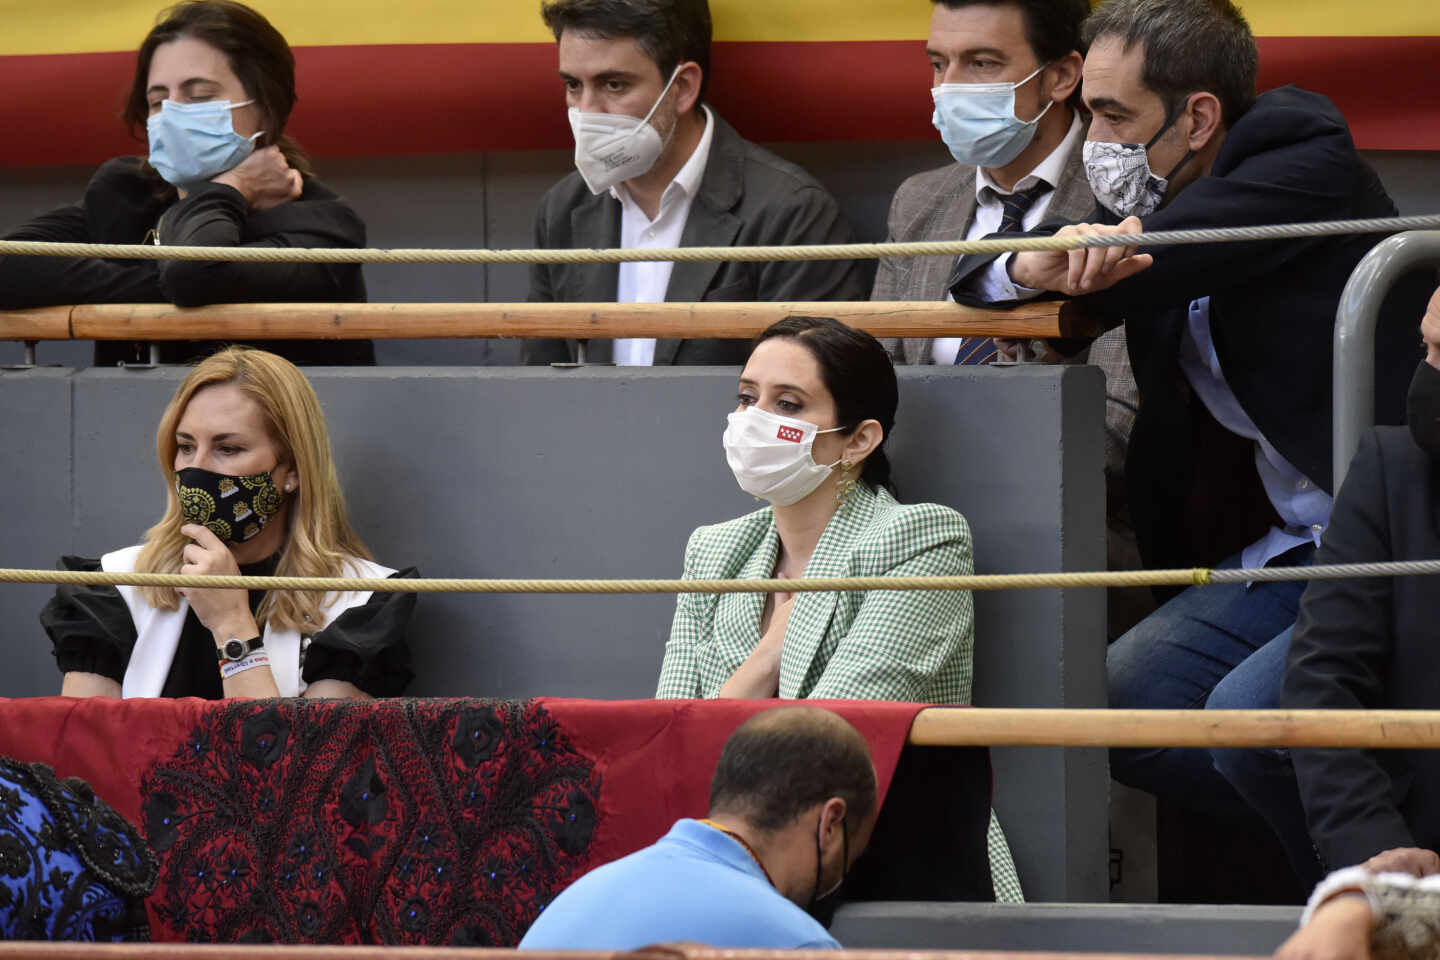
<point x="1120" y="176"/>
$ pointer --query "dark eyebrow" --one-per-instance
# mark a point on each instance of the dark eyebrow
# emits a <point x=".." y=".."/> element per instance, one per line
<point x="182" y="435"/>
<point x="1111" y="104"/>
<point x="193" y="81"/>
<point x="995" y="52"/>
<point x="779" y="386"/>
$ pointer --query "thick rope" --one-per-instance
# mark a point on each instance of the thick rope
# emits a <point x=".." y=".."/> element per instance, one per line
<point x="1197" y="577"/>
<point x="839" y="251"/>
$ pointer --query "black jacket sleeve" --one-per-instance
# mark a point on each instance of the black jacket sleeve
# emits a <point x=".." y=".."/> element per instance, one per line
<point x="367" y="645"/>
<point x="1339" y="658"/>
<point x="90" y="627"/>
<point x="1293" y="161"/>
<point x="215" y="215"/>
<point x="31" y="281"/>
<point x="540" y="352"/>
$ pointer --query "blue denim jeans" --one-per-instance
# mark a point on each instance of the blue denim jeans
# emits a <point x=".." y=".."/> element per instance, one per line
<point x="1218" y="647"/>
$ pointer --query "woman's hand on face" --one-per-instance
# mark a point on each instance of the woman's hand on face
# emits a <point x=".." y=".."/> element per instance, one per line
<point x="221" y="611"/>
<point x="265" y="179"/>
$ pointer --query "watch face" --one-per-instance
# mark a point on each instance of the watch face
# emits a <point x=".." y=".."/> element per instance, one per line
<point x="234" y="649"/>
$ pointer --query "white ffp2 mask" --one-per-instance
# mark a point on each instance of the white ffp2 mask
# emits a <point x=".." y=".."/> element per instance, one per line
<point x="770" y="455"/>
<point x="611" y="148"/>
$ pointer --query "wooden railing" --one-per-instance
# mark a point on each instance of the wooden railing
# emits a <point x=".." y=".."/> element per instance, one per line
<point x="250" y="951"/>
<point x="422" y="321"/>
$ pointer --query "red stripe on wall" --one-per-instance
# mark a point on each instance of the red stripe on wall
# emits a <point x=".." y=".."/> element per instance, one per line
<point x="1387" y="87"/>
<point x="461" y="98"/>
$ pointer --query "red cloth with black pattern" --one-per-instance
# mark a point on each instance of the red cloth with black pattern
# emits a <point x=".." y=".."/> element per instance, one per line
<point x="391" y="821"/>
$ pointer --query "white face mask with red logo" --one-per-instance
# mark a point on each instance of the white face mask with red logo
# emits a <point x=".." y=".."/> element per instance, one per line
<point x="770" y="455"/>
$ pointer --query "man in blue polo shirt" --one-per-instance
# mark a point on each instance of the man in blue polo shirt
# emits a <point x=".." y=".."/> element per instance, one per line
<point x="792" y="804"/>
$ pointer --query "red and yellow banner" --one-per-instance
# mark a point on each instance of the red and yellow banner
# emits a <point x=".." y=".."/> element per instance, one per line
<point x="454" y="76"/>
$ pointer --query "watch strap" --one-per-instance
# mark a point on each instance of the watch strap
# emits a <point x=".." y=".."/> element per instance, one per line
<point x="237" y="649"/>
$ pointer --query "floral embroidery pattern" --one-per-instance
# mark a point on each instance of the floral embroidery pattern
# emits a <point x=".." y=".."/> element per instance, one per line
<point x="410" y="822"/>
<point x="71" y="868"/>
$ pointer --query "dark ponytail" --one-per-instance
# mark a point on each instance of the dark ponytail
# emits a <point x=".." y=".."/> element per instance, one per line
<point x="859" y="375"/>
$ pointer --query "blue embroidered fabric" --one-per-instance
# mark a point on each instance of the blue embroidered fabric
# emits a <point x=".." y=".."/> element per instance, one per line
<point x="71" y="868"/>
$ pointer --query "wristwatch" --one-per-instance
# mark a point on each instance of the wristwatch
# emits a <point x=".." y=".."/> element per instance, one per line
<point x="233" y="649"/>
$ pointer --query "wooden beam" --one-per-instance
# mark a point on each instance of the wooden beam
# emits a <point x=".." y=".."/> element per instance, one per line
<point x="386" y="321"/>
<point x="38" y="950"/>
<point x="37" y="323"/>
<point x="996" y="727"/>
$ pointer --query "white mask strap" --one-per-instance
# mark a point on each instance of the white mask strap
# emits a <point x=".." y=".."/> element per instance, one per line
<point x="668" y="84"/>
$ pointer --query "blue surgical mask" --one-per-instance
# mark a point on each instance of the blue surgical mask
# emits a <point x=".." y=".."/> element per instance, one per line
<point x="192" y="142"/>
<point x="977" y="121"/>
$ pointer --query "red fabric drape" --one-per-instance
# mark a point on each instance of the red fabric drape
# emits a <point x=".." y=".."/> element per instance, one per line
<point x="399" y="821"/>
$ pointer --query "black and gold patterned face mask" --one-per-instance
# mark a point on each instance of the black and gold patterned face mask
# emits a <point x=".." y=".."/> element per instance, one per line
<point x="235" y="509"/>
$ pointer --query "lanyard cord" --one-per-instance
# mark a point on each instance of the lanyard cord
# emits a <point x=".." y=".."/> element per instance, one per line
<point x="741" y="840"/>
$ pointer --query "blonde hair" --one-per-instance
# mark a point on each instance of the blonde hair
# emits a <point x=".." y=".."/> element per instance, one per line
<point x="318" y="537"/>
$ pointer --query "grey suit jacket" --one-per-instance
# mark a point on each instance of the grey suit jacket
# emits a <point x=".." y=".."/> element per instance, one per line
<point x="747" y="197"/>
<point x="940" y="205"/>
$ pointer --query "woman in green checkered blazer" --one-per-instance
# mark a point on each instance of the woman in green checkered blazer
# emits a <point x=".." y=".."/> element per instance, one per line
<point x="816" y="401"/>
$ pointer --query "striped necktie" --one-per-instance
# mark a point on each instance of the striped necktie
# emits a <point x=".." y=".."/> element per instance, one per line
<point x="1013" y="207"/>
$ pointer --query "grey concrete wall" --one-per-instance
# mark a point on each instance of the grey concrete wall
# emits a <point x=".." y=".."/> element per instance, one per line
<point x="603" y="473"/>
<point x="489" y="200"/>
<point x="1067" y="928"/>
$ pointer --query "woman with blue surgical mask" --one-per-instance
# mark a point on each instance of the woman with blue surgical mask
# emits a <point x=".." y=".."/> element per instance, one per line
<point x="815" y="405"/>
<point x="213" y="87"/>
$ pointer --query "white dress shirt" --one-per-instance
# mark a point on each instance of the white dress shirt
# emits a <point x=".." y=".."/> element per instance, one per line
<point x="647" y="282"/>
<point x="993" y="284"/>
<point x="1303" y="506"/>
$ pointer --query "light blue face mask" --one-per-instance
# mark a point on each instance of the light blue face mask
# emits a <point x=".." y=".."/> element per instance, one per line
<point x="977" y="121"/>
<point x="192" y="142"/>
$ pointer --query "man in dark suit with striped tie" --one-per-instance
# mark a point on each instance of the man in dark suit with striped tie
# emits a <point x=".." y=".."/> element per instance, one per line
<point x="1017" y="158"/>
<point x="974" y="41"/>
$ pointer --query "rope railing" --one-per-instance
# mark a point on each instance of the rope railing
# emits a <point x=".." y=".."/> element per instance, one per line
<point x="418" y="321"/>
<point x="1195" y="576"/>
<point x="843" y="251"/>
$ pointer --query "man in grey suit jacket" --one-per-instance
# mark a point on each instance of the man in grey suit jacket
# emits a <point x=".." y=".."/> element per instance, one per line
<point x="973" y="41"/>
<point x="658" y="168"/>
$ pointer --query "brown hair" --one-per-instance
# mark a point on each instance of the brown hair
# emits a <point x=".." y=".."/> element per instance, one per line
<point x="255" y="50"/>
<point x="318" y="538"/>
<point x="669" y="32"/>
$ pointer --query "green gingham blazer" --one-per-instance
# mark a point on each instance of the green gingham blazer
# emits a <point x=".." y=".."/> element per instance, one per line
<point x="883" y="645"/>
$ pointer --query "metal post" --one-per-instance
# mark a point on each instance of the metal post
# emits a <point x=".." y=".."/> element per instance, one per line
<point x="30" y="352"/>
<point x="1353" y="403"/>
<point x="154" y="354"/>
<point x="580" y="347"/>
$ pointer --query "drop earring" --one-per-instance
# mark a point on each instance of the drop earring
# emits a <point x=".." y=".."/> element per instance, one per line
<point x="846" y="483"/>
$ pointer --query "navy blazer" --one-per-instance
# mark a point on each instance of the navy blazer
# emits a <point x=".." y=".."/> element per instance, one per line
<point x="1371" y="644"/>
<point x="1289" y="159"/>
